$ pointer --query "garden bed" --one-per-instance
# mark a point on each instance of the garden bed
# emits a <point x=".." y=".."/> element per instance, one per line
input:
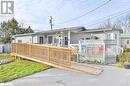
<point x="19" y="68"/>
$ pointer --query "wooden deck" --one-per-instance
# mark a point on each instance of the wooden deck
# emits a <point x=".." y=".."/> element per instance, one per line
<point x="55" y="56"/>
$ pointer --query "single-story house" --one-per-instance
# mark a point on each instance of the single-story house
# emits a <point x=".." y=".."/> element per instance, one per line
<point x="66" y="36"/>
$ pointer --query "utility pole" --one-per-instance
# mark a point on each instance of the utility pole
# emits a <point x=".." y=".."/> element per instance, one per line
<point x="51" y="24"/>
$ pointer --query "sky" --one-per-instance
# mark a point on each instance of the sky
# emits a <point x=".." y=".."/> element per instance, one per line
<point x="36" y="13"/>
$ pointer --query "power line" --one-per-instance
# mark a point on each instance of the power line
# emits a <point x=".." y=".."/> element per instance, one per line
<point x="68" y="2"/>
<point x="61" y="5"/>
<point x="119" y="14"/>
<point x="86" y="13"/>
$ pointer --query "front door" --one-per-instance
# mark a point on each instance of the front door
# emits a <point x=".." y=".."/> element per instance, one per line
<point x="41" y="40"/>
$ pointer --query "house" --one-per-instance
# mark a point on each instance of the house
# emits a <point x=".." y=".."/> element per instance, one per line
<point x="66" y="37"/>
<point x="125" y="40"/>
<point x="4" y="48"/>
<point x="57" y="37"/>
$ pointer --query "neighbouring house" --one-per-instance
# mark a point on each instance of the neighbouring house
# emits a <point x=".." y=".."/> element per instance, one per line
<point x="1" y="36"/>
<point x="125" y="40"/>
<point x="4" y="48"/>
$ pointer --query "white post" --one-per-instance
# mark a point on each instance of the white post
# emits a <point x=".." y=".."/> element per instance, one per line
<point x="68" y="39"/>
<point x="104" y="52"/>
<point x="32" y="39"/>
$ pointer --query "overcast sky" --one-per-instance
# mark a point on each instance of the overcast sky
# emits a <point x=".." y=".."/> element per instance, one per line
<point x="36" y="12"/>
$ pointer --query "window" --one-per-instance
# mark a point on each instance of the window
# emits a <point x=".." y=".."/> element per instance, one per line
<point x="108" y="36"/>
<point x="19" y="41"/>
<point x="50" y="39"/>
<point x="115" y="36"/>
<point x="127" y="41"/>
<point x="41" y="40"/>
<point x="87" y="38"/>
<point x="66" y="40"/>
<point x="55" y="40"/>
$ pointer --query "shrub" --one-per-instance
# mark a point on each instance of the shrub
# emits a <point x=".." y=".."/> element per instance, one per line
<point x="122" y="58"/>
<point x="97" y="62"/>
<point x="127" y="50"/>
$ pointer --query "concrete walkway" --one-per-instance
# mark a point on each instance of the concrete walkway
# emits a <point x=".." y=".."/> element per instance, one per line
<point x="111" y="76"/>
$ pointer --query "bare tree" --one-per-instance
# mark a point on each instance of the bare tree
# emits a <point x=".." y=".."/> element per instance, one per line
<point x="110" y="24"/>
<point x="126" y="23"/>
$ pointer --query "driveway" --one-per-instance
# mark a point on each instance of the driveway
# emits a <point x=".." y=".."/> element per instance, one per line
<point x="111" y="76"/>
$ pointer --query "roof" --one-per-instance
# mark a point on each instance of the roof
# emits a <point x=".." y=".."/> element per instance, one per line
<point x="72" y="29"/>
<point x="27" y="34"/>
<point x="102" y="30"/>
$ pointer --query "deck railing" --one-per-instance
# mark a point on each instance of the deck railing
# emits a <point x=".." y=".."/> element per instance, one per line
<point x="56" y="55"/>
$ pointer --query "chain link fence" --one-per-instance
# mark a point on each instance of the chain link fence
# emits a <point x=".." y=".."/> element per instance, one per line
<point x="104" y="51"/>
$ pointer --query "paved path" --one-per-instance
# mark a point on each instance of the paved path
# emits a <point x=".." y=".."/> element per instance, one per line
<point x="56" y="77"/>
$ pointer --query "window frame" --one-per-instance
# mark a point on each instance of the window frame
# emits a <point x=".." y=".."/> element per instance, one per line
<point x="41" y="40"/>
<point x="49" y="39"/>
<point x="66" y="40"/>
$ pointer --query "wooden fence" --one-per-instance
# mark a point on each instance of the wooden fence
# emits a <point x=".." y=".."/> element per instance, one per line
<point x="55" y="55"/>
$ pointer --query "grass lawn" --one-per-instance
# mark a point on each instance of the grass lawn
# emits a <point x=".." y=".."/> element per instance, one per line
<point x="19" y="68"/>
<point x="118" y="65"/>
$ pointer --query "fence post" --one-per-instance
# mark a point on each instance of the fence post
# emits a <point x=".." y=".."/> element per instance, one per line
<point x="16" y="52"/>
<point x="30" y="53"/>
<point x="16" y="48"/>
<point x="49" y="53"/>
<point x="69" y="56"/>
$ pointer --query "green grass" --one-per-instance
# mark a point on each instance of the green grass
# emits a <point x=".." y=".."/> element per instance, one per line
<point x="120" y="65"/>
<point x="6" y="57"/>
<point x="19" y="68"/>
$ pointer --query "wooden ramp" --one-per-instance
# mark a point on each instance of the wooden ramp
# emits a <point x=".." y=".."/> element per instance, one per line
<point x="87" y="68"/>
<point x="53" y="56"/>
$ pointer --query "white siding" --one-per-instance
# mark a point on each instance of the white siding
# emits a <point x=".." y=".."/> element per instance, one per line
<point x="35" y="39"/>
<point x="24" y="39"/>
<point x="124" y="42"/>
<point x="75" y="37"/>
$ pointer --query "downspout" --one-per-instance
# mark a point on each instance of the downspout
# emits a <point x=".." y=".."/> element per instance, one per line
<point x="104" y="48"/>
<point x="69" y="39"/>
<point x="32" y="39"/>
